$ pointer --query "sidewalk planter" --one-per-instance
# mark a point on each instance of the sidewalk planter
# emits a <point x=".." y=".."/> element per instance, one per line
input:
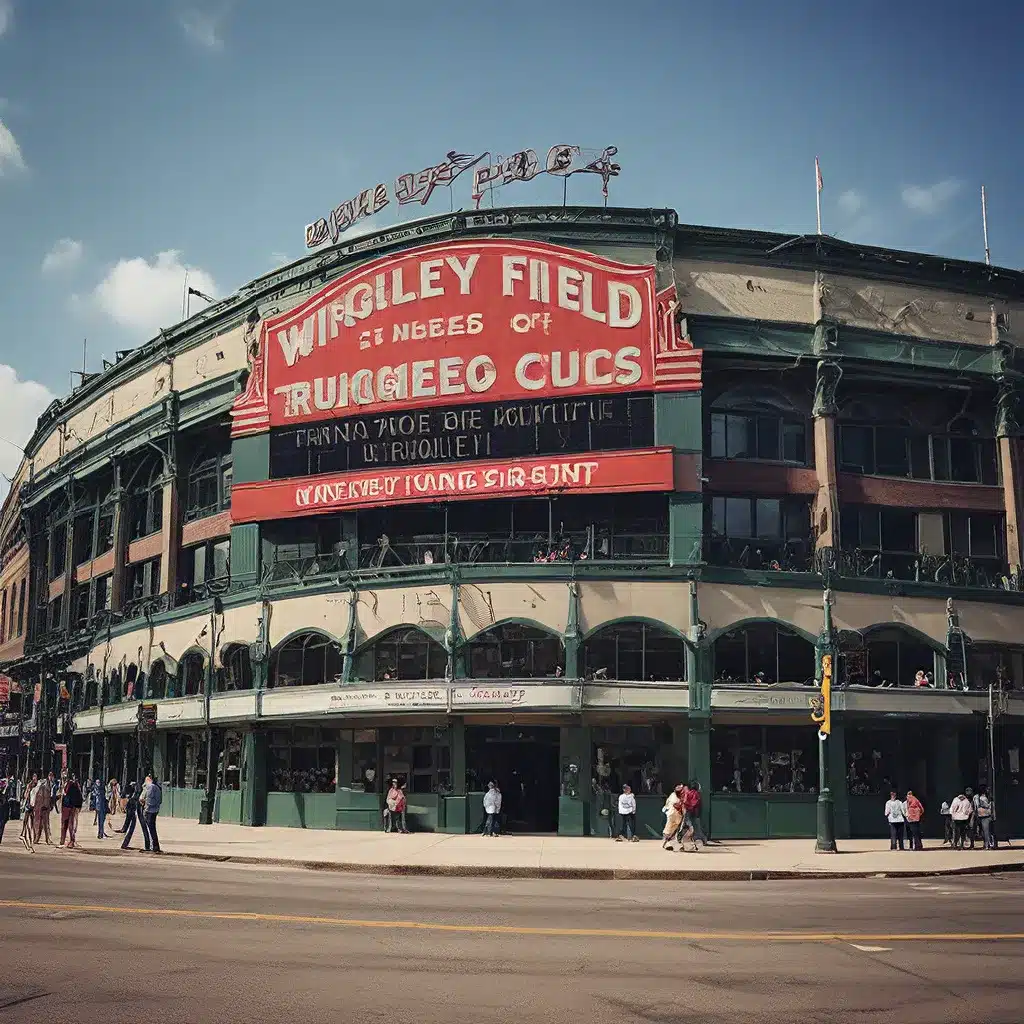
<point x="763" y="816"/>
<point x="356" y="811"/>
<point x="302" y="810"/>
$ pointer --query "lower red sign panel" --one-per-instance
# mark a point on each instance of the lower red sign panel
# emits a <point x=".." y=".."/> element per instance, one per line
<point x="596" y="473"/>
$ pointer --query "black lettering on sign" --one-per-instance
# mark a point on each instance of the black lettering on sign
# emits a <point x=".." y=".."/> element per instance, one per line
<point x="500" y="430"/>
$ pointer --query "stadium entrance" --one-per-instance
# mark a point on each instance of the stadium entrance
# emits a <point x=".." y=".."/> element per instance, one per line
<point x="523" y="760"/>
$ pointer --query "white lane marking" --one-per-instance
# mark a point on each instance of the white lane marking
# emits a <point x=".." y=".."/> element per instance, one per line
<point x="872" y="949"/>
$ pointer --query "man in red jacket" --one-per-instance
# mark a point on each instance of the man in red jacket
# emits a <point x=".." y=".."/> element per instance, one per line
<point x="915" y="812"/>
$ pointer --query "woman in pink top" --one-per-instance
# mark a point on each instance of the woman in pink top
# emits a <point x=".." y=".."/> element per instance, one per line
<point x="915" y="812"/>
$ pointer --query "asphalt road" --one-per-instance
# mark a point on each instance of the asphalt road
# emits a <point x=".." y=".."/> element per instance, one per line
<point x="90" y="939"/>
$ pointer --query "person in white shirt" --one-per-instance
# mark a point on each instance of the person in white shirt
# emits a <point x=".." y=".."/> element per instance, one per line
<point x="896" y="815"/>
<point x="627" y="814"/>
<point x="960" y="810"/>
<point x="492" y="808"/>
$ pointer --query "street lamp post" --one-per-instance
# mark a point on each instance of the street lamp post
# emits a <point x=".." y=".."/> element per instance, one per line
<point x="821" y="715"/>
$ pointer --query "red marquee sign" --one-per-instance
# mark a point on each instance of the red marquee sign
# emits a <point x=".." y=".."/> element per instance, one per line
<point x="483" y="321"/>
<point x="603" y="472"/>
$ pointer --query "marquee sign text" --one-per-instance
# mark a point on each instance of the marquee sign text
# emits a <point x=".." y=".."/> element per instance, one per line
<point x="650" y="470"/>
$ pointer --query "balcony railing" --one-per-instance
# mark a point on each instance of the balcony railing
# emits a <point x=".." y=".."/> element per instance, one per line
<point x="760" y="554"/>
<point x="948" y="571"/>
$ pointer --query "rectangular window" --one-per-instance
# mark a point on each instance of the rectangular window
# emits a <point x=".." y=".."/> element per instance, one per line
<point x="892" y="451"/>
<point x="144" y="579"/>
<point x="58" y="550"/>
<point x="105" y="530"/>
<point x="55" y="611"/>
<point x="856" y="449"/>
<point x="794" y="443"/>
<point x="976" y="535"/>
<point x="3" y="618"/>
<point x="21" y="608"/>
<point x="103" y="592"/>
<point x="718" y="435"/>
<point x="768" y="429"/>
<point x="83" y="539"/>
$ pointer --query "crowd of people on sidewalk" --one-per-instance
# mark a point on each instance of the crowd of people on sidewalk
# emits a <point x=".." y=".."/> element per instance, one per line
<point x="33" y="799"/>
<point x="970" y="817"/>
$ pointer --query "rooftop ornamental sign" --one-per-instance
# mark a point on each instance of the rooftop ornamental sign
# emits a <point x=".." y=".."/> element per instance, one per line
<point x="418" y="186"/>
<point x="466" y="322"/>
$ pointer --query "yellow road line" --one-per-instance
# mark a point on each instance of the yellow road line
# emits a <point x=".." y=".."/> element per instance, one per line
<point x="497" y="929"/>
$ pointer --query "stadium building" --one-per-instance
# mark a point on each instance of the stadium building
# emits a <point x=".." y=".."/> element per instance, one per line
<point x="565" y="497"/>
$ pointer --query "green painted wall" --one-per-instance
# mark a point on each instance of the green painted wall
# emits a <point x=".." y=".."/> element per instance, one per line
<point x="245" y="555"/>
<point x="685" y="522"/>
<point x="679" y="421"/>
<point x="302" y="810"/>
<point x="182" y="803"/>
<point x="227" y="807"/>
<point x="757" y="816"/>
<point x="250" y="458"/>
<point x="358" y="811"/>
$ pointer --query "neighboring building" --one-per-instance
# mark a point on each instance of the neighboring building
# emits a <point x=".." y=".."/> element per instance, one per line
<point x="559" y="496"/>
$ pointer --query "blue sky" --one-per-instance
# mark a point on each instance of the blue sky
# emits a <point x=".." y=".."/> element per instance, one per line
<point x="140" y="137"/>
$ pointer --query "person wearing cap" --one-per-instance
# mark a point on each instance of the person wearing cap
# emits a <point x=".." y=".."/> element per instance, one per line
<point x="627" y="816"/>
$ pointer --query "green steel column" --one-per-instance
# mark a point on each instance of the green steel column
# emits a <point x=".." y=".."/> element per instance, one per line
<point x="254" y="778"/>
<point x="572" y="633"/>
<point x="825" y="841"/>
<point x="574" y="801"/>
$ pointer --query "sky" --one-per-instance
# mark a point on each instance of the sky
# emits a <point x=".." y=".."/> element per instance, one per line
<point x="138" y="139"/>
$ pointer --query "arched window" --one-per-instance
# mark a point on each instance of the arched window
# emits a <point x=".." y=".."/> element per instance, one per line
<point x="146" y="500"/>
<point x="634" y="651"/>
<point x="895" y="656"/>
<point x="758" y="423"/>
<point x="192" y="674"/>
<point x="307" y="659"/>
<point x="91" y="698"/>
<point x="763" y="653"/>
<point x="158" y="680"/>
<point x="209" y="484"/>
<point x="236" y="673"/>
<point x="132" y="691"/>
<point x="511" y="651"/>
<point x="402" y="654"/>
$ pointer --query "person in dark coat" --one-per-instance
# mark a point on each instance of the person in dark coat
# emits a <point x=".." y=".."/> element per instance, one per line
<point x="99" y="797"/>
<point x="70" y="807"/>
<point x="133" y="811"/>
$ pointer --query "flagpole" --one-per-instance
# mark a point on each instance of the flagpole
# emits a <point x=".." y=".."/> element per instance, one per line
<point x="984" y="225"/>
<point x="817" y="191"/>
<point x="184" y="298"/>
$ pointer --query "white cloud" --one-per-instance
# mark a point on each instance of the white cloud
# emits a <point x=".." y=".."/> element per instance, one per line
<point x="65" y="254"/>
<point x="930" y="199"/>
<point x="10" y="152"/>
<point x="22" y="402"/>
<point x="204" y="27"/>
<point x="146" y="296"/>
<point x="6" y="15"/>
<point x="850" y="202"/>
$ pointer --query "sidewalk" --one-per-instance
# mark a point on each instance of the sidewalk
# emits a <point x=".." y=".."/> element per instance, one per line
<point x="517" y="856"/>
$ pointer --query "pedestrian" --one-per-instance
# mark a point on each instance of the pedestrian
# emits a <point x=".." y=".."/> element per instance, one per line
<point x="27" y="811"/>
<point x="133" y="811"/>
<point x="686" y="829"/>
<point x="151" y="799"/>
<point x="41" y="807"/>
<point x="673" y="811"/>
<point x="391" y="806"/>
<point x="113" y="797"/>
<point x="400" y="808"/>
<point x="914" y="813"/>
<point x="6" y="789"/>
<point x="70" y="807"/>
<point x="972" y="822"/>
<point x="947" y="824"/>
<point x="960" y="812"/>
<point x="627" y="816"/>
<point x="691" y="814"/>
<point x="99" y="799"/>
<point x="492" y="808"/>
<point x="896" y="815"/>
<point x="983" y="816"/>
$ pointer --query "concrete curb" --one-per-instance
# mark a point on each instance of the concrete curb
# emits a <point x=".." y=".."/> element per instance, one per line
<point x="580" y="874"/>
